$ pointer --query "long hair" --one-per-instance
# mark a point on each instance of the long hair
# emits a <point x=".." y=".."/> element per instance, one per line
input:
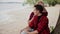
<point x="39" y="7"/>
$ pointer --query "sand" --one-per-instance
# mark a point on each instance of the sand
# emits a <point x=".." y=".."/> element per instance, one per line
<point x="11" y="22"/>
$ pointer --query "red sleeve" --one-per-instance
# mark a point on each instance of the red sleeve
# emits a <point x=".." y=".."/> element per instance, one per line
<point x="42" y="24"/>
<point x="31" y="15"/>
<point x="31" y="24"/>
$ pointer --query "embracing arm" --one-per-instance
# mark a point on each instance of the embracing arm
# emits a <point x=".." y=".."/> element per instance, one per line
<point x="31" y="25"/>
<point x="42" y="24"/>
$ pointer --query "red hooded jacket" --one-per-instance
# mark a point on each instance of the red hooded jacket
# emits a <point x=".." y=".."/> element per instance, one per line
<point x="42" y="25"/>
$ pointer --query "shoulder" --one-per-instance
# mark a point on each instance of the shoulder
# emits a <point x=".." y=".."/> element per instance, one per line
<point x="44" y="18"/>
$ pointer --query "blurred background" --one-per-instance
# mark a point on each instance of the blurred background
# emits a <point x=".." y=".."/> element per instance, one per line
<point x="14" y="14"/>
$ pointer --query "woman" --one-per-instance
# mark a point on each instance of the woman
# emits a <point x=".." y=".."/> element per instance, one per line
<point x="44" y="10"/>
<point x="38" y="24"/>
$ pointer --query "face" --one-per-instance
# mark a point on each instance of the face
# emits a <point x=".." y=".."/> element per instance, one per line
<point x="36" y="12"/>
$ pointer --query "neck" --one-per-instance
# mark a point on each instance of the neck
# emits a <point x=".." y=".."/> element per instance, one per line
<point x="39" y="14"/>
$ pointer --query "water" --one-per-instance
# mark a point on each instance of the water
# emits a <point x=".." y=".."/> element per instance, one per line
<point x="12" y="16"/>
<point x="11" y="11"/>
<point x="10" y="6"/>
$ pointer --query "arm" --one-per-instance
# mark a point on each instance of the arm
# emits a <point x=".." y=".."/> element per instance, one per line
<point x="42" y="24"/>
<point x="32" y="25"/>
<point x="29" y="22"/>
<point x="34" y="32"/>
<point x="31" y="15"/>
<point x="30" y="19"/>
<point x="26" y="29"/>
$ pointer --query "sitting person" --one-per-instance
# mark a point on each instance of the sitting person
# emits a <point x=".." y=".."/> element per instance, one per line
<point x="38" y="23"/>
<point x="44" y="10"/>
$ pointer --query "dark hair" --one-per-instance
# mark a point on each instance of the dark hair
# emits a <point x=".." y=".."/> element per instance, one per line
<point x="39" y="7"/>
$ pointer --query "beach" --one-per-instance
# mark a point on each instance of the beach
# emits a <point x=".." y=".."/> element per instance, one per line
<point x="14" y="17"/>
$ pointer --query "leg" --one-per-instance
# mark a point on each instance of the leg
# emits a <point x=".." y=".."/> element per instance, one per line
<point x="23" y="32"/>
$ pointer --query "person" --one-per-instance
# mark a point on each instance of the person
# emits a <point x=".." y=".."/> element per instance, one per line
<point x="38" y="24"/>
<point x="44" y="10"/>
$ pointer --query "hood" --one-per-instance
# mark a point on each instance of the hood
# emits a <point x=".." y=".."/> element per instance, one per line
<point x="45" y="13"/>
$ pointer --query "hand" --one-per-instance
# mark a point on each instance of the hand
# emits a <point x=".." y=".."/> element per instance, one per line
<point x="30" y="33"/>
<point x="33" y="32"/>
<point x="22" y="30"/>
